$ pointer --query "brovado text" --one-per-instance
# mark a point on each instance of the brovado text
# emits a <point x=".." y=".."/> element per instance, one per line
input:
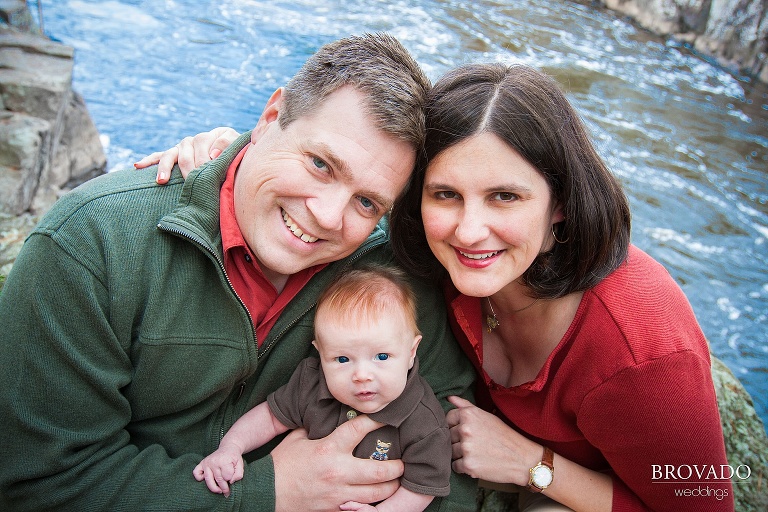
<point x="699" y="472"/>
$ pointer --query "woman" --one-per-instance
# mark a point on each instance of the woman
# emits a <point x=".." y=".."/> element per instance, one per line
<point x="584" y="344"/>
<point x="594" y="389"/>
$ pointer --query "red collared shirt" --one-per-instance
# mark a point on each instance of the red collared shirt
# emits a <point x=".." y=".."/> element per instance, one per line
<point x="260" y="297"/>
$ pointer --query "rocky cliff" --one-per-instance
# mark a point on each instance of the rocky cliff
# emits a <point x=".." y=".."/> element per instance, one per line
<point x="48" y="141"/>
<point x="733" y="32"/>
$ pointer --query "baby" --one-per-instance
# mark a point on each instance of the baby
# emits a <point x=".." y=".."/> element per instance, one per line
<point x="366" y="335"/>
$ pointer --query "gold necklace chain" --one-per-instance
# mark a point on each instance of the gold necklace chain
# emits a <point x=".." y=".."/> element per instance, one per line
<point x="492" y="322"/>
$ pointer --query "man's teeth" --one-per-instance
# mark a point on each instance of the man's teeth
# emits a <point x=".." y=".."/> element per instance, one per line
<point x="479" y="256"/>
<point x="289" y="222"/>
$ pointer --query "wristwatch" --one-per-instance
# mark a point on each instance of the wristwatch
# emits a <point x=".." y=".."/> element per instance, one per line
<point x="542" y="473"/>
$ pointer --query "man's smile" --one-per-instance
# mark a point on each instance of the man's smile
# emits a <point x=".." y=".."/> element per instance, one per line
<point x="297" y="232"/>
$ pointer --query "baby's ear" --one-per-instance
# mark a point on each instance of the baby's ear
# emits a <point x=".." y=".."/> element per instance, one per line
<point x="415" y="346"/>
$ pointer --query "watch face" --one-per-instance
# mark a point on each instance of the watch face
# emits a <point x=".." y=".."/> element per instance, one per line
<point x="542" y="476"/>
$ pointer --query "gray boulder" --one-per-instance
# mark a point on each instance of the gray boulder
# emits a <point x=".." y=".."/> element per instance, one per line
<point x="733" y="32"/>
<point x="48" y="142"/>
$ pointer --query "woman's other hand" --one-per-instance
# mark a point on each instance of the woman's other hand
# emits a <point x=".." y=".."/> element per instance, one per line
<point x="485" y="447"/>
<point x="190" y="153"/>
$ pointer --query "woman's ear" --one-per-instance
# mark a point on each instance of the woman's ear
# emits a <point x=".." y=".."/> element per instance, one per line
<point x="558" y="214"/>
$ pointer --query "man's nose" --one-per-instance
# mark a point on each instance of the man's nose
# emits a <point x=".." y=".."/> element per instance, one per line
<point x="328" y="206"/>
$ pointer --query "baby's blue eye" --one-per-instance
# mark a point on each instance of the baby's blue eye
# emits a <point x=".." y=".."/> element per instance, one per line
<point x="381" y="357"/>
<point x="342" y="359"/>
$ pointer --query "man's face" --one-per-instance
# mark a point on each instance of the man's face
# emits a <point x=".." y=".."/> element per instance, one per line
<point x="312" y="193"/>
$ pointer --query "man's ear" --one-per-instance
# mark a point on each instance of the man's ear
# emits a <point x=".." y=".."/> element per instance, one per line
<point x="269" y="114"/>
<point x="415" y="346"/>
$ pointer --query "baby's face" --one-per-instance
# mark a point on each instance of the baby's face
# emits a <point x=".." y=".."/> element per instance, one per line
<point x="365" y="363"/>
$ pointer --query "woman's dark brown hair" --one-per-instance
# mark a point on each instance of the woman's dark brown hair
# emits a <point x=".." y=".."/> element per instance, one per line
<point x="526" y="109"/>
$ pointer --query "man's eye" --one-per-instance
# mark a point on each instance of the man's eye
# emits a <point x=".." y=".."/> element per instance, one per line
<point x="381" y="357"/>
<point x="317" y="162"/>
<point x="342" y="359"/>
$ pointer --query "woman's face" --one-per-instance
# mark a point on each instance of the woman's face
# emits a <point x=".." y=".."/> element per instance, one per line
<point x="487" y="213"/>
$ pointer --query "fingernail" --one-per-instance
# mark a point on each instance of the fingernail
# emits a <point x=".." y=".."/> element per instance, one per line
<point x="215" y="153"/>
<point x="161" y="176"/>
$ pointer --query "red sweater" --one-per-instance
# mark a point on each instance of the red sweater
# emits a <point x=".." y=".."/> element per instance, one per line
<point x="628" y="390"/>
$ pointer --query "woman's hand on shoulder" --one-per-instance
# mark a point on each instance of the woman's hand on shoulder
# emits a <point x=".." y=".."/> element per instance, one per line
<point x="190" y="153"/>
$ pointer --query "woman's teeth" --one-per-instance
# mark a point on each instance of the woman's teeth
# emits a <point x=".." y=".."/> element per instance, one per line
<point x="481" y="256"/>
<point x="289" y="222"/>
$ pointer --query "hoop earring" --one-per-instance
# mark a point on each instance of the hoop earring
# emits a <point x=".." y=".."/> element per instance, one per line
<point x="555" y="236"/>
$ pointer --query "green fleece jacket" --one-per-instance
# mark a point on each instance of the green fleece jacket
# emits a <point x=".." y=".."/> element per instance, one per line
<point x="125" y="355"/>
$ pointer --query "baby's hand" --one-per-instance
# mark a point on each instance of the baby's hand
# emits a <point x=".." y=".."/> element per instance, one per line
<point x="223" y="467"/>
<point x="359" y="507"/>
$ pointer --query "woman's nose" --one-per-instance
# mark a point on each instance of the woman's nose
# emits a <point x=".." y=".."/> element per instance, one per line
<point x="471" y="227"/>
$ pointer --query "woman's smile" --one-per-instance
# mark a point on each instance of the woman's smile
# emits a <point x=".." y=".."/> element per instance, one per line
<point x="476" y="259"/>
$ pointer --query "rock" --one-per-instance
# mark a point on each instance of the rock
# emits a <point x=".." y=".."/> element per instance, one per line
<point x="24" y="144"/>
<point x="745" y="439"/>
<point x="13" y="231"/>
<point x="16" y="14"/>
<point x="48" y="141"/>
<point x="733" y="32"/>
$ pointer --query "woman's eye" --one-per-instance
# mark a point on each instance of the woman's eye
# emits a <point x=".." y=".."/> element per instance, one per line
<point x="506" y="196"/>
<point x="381" y="357"/>
<point x="446" y="194"/>
<point x="320" y="164"/>
<point x="342" y="359"/>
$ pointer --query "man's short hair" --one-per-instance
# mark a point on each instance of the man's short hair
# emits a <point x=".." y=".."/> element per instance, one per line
<point x="375" y="64"/>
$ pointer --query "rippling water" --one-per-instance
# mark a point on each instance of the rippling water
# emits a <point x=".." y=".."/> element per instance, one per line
<point x="688" y="140"/>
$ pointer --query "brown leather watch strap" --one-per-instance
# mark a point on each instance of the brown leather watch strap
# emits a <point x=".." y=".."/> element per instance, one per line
<point x="548" y="458"/>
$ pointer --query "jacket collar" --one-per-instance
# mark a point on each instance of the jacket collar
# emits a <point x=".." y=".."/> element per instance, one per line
<point x="196" y="214"/>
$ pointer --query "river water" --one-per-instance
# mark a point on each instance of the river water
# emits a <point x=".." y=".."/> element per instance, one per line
<point x="688" y="140"/>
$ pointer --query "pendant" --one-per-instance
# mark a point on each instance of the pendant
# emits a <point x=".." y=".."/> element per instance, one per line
<point x="491" y="322"/>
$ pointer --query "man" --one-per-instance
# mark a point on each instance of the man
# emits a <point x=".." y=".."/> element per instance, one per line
<point x="139" y="322"/>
